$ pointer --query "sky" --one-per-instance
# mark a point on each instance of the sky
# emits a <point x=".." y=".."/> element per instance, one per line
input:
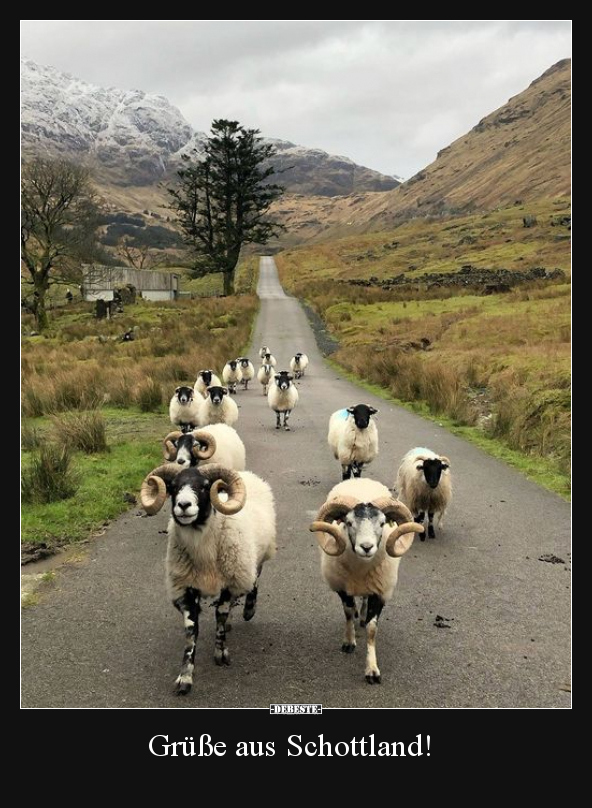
<point x="389" y="94"/>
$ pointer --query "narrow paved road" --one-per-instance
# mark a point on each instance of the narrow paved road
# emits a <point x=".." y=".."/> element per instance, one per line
<point x="106" y="635"/>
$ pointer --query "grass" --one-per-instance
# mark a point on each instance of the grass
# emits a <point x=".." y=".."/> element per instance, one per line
<point x="90" y="392"/>
<point x="48" y="477"/>
<point x="81" y="430"/>
<point x="104" y="478"/>
<point x="498" y="365"/>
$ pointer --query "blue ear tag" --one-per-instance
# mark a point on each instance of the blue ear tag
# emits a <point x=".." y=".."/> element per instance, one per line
<point x="343" y="414"/>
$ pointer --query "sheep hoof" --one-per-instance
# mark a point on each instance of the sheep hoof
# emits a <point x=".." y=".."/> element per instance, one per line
<point x="362" y="623"/>
<point x="287" y="428"/>
<point x="348" y="647"/>
<point x="422" y="536"/>
<point x="222" y="658"/>
<point x="182" y="688"/>
<point x="248" y="614"/>
<point x="373" y="678"/>
<point x="277" y="426"/>
<point x="431" y="532"/>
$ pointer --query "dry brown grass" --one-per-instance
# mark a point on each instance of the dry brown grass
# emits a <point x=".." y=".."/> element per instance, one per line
<point x="72" y="369"/>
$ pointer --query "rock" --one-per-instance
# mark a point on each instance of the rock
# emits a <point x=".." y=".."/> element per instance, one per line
<point x="529" y="221"/>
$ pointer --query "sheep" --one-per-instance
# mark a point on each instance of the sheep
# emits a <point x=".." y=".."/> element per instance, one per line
<point x="424" y="484"/>
<point x="264" y="375"/>
<point x="298" y="364"/>
<point x="247" y="370"/>
<point x="217" y="408"/>
<point x="268" y="359"/>
<point x="353" y="438"/>
<point x="183" y="409"/>
<point x="282" y="397"/>
<point x="263" y="350"/>
<point x="217" y="443"/>
<point x="205" y="379"/>
<point x="232" y="375"/>
<point x="216" y="547"/>
<point x="362" y="546"/>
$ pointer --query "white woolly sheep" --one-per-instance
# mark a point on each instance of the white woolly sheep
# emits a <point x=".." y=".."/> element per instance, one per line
<point x="247" y="370"/>
<point x="263" y="350"/>
<point x="217" y="408"/>
<point x="362" y="547"/>
<point x="232" y="374"/>
<point x="424" y="484"/>
<point x="264" y="376"/>
<point x="268" y="359"/>
<point x="216" y="547"/>
<point x="353" y="438"/>
<point x="183" y="409"/>
<point x="217" y="443"/>
<point x="205" y="379"/>
<point x="298" y="364"/>
<point x="282" y="397"/>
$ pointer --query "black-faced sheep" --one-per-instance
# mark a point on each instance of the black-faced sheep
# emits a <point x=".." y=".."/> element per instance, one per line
<point x="268" y="359"/>
<point x="282" y="397"/>
<point x="247" y="370"/>
<point x="216" y="547"/>
<point x="217" y="443"/>
<point x="217" y="408"/>
<point x="353" y="438"/>
<point x="264" y="377"/>
<point x="424" y="484"/>
<point x="298" y="364"/>
<point x="205" y="379"/>
<point x="362" y="547"/>
<point x="183" y="409"/>
<point x="232" y="375"/>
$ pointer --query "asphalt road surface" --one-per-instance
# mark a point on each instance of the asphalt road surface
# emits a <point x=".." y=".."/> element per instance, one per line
<point x="105" y="635"/>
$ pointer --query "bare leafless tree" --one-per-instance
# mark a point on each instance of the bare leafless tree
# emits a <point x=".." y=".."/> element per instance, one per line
<point x="138" y="257"/>
<point x="58" y="225"/>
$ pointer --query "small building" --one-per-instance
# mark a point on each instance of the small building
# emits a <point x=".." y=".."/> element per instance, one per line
<point x="100" y="281"/>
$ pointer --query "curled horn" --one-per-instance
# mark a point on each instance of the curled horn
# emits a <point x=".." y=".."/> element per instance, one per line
<point x="203" y="436"/>
<point x="170" y="450"/>
<point x="328" y="535"/>
<point x="153" y="492"/>
<point x="226" y="479"/>
<point x="401" y="538"/>
<point x="445" y="460"/>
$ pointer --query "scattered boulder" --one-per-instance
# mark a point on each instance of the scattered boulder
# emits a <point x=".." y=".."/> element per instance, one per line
<point x="529" y="221"/>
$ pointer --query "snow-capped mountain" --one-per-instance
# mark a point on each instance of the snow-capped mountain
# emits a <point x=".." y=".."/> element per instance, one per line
<point x="135" y="138"/>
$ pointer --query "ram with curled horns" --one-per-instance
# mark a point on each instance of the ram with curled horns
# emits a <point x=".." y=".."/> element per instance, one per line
<point x="363" y="532"/>
<point x="221" y="531"/>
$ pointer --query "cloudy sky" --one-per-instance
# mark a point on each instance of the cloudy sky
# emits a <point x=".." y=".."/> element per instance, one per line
<point x="387" y="93"/>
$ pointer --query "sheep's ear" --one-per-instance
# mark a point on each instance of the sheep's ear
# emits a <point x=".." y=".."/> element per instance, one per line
<point x="225" y="391"/>
<point x="373" y="411"/>
<point x="277" y="376"/>
<point x="350" y="410"/>
<point x="445" y="462"/>
<point x="177" y="389"/>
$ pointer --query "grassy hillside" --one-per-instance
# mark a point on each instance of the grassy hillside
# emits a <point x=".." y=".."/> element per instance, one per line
<point x="498" y="362"/>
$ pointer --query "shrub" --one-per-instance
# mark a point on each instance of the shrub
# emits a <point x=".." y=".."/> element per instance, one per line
<point x="49" y="477"/>
<point x="149" y="395"/>
<point x="81" y="430"/>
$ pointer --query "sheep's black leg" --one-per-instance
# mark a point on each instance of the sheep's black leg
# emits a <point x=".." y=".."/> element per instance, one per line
<point x="251" y="599"/>
<point x="375" y="606"/>
<point x="420" y="519"/>
<point x="431" y="531"/>
<point x="363" y="612"/>
<point x="349" y="609"/>
<point x="357" y="469"/>
<point x="346" y="472"/>
<point x="277" y="422"/>
<point x="223" y="607"/>
<point x="286" y="416"/>
<point x="189" y="606"/>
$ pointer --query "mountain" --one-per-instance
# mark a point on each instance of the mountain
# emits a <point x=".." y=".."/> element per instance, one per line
<point x="133" y="138"/>
<point x="522" y="151"/>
